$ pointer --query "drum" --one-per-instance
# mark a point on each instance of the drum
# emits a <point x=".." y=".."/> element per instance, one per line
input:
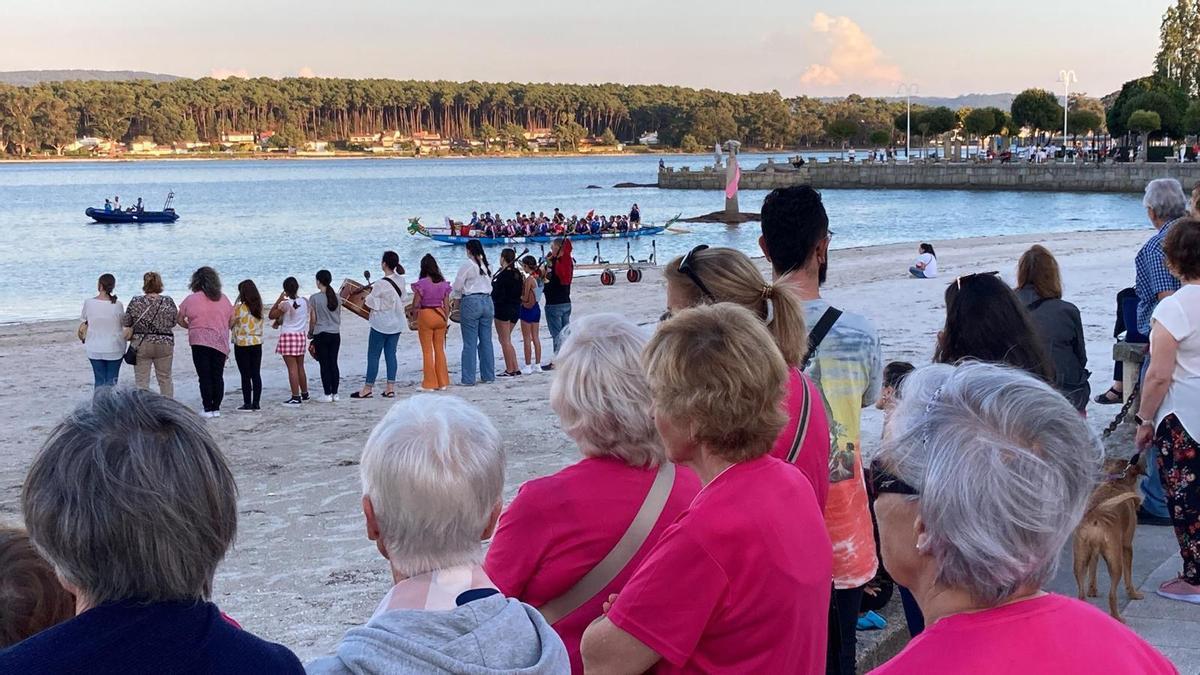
<point x="354" y="298"/>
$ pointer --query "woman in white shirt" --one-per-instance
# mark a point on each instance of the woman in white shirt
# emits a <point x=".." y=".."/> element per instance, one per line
<point x="104" y="336"/>
<point x="926" y="265"/>
<point x="290" y="314"/>
<point x="386" y="303"/>
<point x="473" y="284"/>
<point x="1170" y="407"/>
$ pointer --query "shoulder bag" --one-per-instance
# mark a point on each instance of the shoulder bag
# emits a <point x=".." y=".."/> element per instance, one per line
<point x="824" y="324"/>
<point x="130" y="350"/>
<point x="802" y="427"/>
<point x="626" y="547"/>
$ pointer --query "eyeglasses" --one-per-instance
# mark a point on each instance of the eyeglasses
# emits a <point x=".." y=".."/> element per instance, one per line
<point x="886" y="482"/>
<point x="686" y="267"/>
<point x="959" y="281"/>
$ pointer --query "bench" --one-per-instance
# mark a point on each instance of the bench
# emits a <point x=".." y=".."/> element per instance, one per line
<point x="1131" y="356"/>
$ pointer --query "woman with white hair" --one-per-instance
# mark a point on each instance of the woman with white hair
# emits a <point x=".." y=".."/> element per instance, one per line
<point x="983" y="475"/>
<point x="559" y="528"/>
<point x="132" y="503"/>
<point x="433" y="476"/>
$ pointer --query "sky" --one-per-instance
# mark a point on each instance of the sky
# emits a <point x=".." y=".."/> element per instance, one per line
<point x="811" y="47"/>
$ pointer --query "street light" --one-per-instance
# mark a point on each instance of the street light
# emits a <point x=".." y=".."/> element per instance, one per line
<point x="908" y="90"/>
<point x="1066" y="77"/>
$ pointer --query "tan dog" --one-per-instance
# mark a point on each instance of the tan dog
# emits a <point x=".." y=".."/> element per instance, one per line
<point x="1107" y="531"/>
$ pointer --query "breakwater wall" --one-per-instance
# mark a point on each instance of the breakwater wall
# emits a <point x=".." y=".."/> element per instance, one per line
<point x="1050" y="177"/>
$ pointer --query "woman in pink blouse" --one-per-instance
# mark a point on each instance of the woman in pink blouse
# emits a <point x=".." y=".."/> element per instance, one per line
<point x="431" y="300"/>
<point x="206" y="314"/>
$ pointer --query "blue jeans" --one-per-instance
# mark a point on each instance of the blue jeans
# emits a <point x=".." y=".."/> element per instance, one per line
<point x="105" y="373"/>
<point x="384" y="343"/>
<point x="558" y="317"/>
<point x="1154" y="495"/>
<point x="920" y="274"/>
<point x="478" y="312"/>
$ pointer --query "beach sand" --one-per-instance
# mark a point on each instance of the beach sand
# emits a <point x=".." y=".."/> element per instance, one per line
<point x="302" y="570"/>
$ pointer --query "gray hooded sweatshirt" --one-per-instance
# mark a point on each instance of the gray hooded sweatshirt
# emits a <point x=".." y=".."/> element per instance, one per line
<point x="490" y="635"/>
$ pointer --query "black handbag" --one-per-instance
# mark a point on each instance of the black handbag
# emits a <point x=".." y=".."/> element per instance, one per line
<point x="130" y="350"/>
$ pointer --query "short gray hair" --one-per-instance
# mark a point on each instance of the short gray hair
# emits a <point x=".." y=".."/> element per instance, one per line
<point x="434" y="470"/>
<point x="601" y="394"/>
<point x="131" y="499"/>
<point x="1164" y="197"/>
<point x="1004" y="466"/>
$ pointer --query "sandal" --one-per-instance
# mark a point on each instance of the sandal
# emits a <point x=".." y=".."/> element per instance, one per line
<point x="388" y="394"/>
<point x="361" y="395"/>
<point x="1110" y="397"/>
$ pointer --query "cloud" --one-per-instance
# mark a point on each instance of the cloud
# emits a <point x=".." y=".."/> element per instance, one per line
<point x="222" y="73"/>
<point x="851" y="59"/>
<point x="307" y="72"/>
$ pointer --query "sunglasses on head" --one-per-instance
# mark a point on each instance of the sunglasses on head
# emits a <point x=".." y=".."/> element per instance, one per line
<point x="686" y="267"/>
<point x="886" y="482"/>
<point x="966" y="277"/>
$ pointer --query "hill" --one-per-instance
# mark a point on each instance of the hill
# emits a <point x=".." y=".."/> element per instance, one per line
<point x="24" y="78"/>
<point x="1001" y="101"/>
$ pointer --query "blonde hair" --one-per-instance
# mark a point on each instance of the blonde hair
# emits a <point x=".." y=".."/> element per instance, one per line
<point x="1039" y="270"/>
<point x="716" y="371"/>
<point x="600" y="393"/>
<point x="732" y="277"/>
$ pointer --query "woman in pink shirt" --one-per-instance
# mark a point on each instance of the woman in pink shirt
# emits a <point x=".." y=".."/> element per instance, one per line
<point x="710" y="275"/>
<point x="740" y="582"/>
<point x="206" y="314"/>
<point x="431" y="300"/>
<point x="984" y="473"/>
<point x="559" y="527"/>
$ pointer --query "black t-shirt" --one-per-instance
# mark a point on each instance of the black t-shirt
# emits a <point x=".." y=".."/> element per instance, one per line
<point x="507" y="287"/>
<point x="556" y="292"/>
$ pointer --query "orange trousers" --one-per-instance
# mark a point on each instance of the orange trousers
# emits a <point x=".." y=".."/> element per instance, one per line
<point x="431" y="329"/>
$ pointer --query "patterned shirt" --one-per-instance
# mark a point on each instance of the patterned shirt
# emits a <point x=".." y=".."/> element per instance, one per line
<point x="1152" y="277"/>
<point x="247" y="330"/>
<point x="847" y="367"/>
<point x="152" y="319"/>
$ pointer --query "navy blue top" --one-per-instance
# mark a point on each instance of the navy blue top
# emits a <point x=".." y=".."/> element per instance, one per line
<point x="165" y="637"/>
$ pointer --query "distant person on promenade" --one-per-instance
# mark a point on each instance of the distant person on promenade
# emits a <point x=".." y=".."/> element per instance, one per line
<point x="386" y="304"/>
<point x="560" y="527"/>
<point x="985" y="321"/>
<point x="432" y="486"/>
<point x="206" y="314"/>
<point x="845" y="361"/>
<point x="1165" y="204"/>
<point x="140" y="552"/>
<point x="431" y="298"/>
<point x="1170" y="406"/>
<point x="711" y="275"/>
<point x="531" y="315"/>
<point x="926" y="266"/>
<point x="508" y="285"/>
<point x="473" y="285"/>
<point x="325" y="327"/>
<point x="152" y="317"/>
<point x="1057" y="322"/>
<point x="103" y="333"/>
<point x="290" y="314"/>
<point x="983" y="476"/>
<point x="34" y="599"/>
<point x="247" y="326"/>
<point x="560" y="271"/>
<point x="740" y="581"/>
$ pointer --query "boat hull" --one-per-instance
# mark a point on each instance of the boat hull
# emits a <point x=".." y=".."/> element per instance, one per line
<point x="102" y="216"/>
<point x="545" y="239"/>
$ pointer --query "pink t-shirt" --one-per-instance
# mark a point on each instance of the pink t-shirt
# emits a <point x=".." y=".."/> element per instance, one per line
<point x="208" y="321"/>
<point x="432" y="294"/>
<point x="813" y="460"/>
<point x="1049" y="634"/>
<point x="740" y="582"/>
<point x="557" y="528"/>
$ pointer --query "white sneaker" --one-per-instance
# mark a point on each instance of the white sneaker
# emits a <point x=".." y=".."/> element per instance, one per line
<point x="527" y="369"/>
<point x="215" y="413"/>
<point x="328" y="398"/>
<point x="206" y="415"/>
<point x="536" y="368"/>
<point x="336" y="398"/>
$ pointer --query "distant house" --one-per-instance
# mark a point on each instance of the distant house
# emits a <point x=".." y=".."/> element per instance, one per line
<point x="236" y="137"/>
<point x="428" y="142"/>
<point x="649" y="138"/>
<point x="143" y="145"/>
<point x="316" y="146"/>
<point x="364" y="140"/>
<point x="265" y="137"/>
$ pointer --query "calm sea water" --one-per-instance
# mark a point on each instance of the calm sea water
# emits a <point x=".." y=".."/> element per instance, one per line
<point x="271" y="219"/>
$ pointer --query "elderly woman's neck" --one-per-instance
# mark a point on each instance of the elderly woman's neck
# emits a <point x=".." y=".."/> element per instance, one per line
<point x="707" y="466"/>
<point x="940" y="602"/>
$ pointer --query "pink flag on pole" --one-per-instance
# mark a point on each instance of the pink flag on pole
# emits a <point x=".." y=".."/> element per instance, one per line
<point x="731" y="187"/>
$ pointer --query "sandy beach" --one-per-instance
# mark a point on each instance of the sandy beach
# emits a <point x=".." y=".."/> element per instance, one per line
<point x="302" y="570"/>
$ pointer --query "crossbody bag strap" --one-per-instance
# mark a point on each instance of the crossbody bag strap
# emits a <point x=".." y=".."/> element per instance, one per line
<point x="626" y="547"/>
<point x="824" y="324"/>
<point x="399" y="293"/>
<point x="802" y="427"/>
<point x="154" y="316"/>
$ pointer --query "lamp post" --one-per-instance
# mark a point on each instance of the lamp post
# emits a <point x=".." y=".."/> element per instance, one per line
<point x="1066" y="77"/>
<point x="908" y="90"/>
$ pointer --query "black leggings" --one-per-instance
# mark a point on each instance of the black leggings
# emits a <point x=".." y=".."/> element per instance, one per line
<point x="249" y="363"/>
<point x="327" y="345"/>
<point x="210" y="367"/>
<point x="840" y="654"/>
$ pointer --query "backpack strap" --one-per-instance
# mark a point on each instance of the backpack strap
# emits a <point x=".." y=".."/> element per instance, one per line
<point x="626" y="547"/>
<point x="824" y="324"/>
<point x="802" y="427"/>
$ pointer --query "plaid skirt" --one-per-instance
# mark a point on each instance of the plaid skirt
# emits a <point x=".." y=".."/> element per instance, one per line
<point x="291" y="344"/>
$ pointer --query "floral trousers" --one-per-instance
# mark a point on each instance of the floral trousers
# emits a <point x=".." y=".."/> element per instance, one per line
<point x="1178" y="465"/>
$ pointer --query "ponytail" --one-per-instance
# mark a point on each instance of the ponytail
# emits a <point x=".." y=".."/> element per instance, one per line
<point x="290" y="288"/>
<point x="331" y="299"/>
<point x="475" y="250"/>
<point x="108" y="283"/>
<point x="784" y="314"/>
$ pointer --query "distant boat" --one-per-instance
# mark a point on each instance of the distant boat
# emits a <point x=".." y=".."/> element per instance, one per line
<point x="542" y="239"/>
<point x="167" y="215"/>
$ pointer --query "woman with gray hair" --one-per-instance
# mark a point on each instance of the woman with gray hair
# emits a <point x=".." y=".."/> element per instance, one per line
<point x="133" y="504"/>
<point x="984" y="473"/>
<point x="433" y="478"/>
<point x="559" y="528"/>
